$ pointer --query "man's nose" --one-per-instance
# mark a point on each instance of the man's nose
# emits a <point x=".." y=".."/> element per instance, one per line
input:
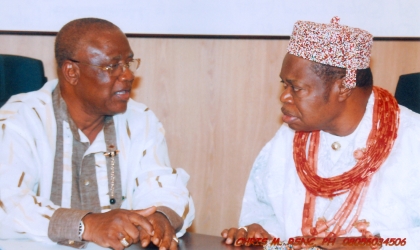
<point x="285" y="96"/>
<point x="126" y="73"/>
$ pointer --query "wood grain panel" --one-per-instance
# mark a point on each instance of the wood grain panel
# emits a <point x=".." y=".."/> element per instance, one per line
<point x="39" y="47"/>
<point x="392" y="59"/>
<point x="219" y="102"/>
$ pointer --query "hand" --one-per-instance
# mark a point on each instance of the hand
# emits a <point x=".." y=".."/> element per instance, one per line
<point x="337" y="245"/>
<point x="164" y="233"/>
<point x="253" y="231"/>
<point x="108" y="229"/>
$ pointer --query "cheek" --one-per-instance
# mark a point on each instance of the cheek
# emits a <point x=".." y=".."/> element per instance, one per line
<point x="308" y="110"/>
<point x="96" y="92"/>
<point x="103" y="77"/>
<point x="103" y="80"/>
<point x="104" y="88"/>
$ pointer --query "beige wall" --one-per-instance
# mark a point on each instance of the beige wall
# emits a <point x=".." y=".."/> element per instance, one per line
<point x="218" y="100"/>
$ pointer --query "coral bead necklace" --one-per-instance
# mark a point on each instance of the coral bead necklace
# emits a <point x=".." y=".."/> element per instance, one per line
<point x="355" y="181"/>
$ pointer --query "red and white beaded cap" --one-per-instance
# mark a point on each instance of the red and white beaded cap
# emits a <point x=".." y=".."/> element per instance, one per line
<point x="332" y="44"/>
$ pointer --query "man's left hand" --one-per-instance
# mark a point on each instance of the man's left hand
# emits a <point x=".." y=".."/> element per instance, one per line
<point x="164" y="234"/>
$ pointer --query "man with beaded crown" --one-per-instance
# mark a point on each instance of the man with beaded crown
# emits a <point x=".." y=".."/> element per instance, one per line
<point x="80" y="161"/>
<point x="346" y="161"/>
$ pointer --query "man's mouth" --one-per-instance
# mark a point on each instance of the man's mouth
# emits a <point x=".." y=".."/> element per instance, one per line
<point x="287" y="116"/>
<point x="123" y="94"/>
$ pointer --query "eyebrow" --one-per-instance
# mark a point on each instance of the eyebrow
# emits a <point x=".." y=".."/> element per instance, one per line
<point x="119" y="57"/>
<point x="290" y="81"/>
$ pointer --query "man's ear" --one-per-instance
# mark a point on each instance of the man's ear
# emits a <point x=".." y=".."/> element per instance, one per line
<point x="344" y="92"/>
<point x="70" y="72"/>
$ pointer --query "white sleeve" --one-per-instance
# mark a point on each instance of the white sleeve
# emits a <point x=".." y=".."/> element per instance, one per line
<point x="23" y="214"/>
<point x="256" y="207"/>
<point x="158" y="184"/>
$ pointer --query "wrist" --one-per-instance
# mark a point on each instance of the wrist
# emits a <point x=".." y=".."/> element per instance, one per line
<point x="85" y="223"/>
<point x="174" y="219"/>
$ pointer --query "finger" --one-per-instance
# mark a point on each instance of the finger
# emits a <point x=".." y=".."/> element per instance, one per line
<point x="146" y="212"/>
<point x="116" y="245"/>
<point x="131" y="233"/>
<point x="158" y="233"/>
<point x="252" y="233"/>
<point x="231" y="234"/>
<point x="162" y="229"/>
<point x="140" y="221"/>
<point x="167" y="239"/>
<point x="144" y="237"/>
<point x="263" y="234"/>
<point x="130" y="240"/>
<point x="174" y="244"/>
<point x="242" y="233"/>
<point x="224" y="233"/>
<point x="124" y="239"/>
<point x="258" y="234"/>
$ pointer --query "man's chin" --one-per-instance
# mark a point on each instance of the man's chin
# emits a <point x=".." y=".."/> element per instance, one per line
<point x="118" y="110"/>
<point x="294" y="127"/>
<point x="298" y="127"/>
<point x="301" y="129"/>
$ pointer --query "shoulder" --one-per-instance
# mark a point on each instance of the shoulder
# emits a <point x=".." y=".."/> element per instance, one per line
<point x="32" y="101"/>
<point x="409" y="120"/>
<point x="28" y="110"/>
<point x="270" y="166"/>
<point x="285" y="133"/>
<point x="276" y="147"/>
<point x="282" y="139"/>
<point x="408" y="116"/>
<point x="134" y="106"/>
<point x="409" y="127"/>
<point x="402" y="166"/>
<point x="140" y="121"/>
<point x="137" y="112"/>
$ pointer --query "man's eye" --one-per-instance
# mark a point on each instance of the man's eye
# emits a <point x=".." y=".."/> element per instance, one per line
<point x="284" y="84"/>
<point x="295" y="89"/>
<point x="111" y="67"/>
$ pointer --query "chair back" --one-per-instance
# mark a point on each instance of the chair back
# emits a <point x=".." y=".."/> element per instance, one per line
<point x="408" y="91"/>
<point x="19" y="74"/>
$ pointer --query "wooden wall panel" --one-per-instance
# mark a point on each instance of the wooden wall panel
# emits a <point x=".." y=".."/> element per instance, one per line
<point x="392" y="59"/>
<point x="219" y="102"/>
<point x="39" y="47"/>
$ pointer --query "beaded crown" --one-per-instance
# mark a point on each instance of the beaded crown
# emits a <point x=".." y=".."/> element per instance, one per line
<point x="332" y="44"/>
